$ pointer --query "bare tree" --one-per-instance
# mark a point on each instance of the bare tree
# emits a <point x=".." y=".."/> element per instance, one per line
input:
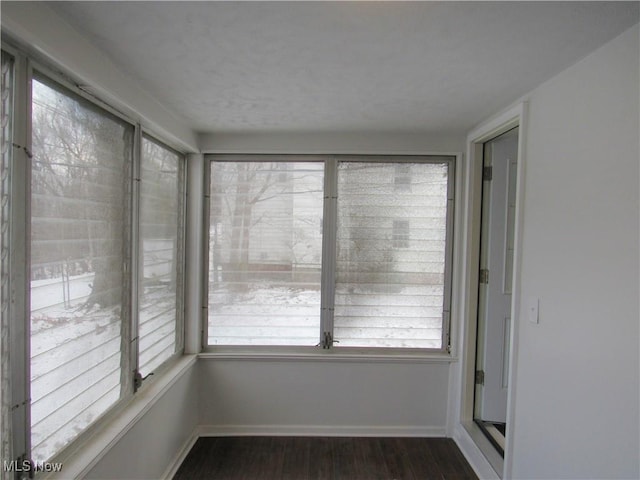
<point x="78" y="176"/>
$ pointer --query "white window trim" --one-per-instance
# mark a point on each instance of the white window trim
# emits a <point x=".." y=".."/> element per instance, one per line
<point x="137" y="247"/>
<point x="328" y="268"/>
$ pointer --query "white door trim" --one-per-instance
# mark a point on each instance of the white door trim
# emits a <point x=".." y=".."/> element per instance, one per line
<point x="462" y="376"/>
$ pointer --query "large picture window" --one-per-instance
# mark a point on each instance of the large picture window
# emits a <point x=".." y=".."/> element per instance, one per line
<point x="377" y="275"/>
<point x="391" y="255"/>
<point x="92" y="261"/>
<point x="105" y="262"/>
<point x="265" y="252"/>
<point x="79" y="219"/>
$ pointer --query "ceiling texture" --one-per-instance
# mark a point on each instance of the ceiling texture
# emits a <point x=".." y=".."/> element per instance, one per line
<point x="438" y="67"/>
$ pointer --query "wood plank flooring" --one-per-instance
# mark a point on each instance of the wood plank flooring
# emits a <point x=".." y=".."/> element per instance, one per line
<point x="324" y="458"/>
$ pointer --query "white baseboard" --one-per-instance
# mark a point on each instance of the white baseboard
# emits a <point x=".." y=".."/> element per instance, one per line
<point x="177" y="460"/>
<point x="320" y="431"/>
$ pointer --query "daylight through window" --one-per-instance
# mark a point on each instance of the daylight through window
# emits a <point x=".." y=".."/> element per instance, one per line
<point x="385" y="244"/>
<point x="265" y="253"/>
<point x="79" y="205"/>
<point x="106" y="261"/>
<point x="391" y="255"/>
<point x="160" y="275"/>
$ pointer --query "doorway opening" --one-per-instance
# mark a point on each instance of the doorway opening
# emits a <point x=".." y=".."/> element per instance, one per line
<point x="495" y="280"/>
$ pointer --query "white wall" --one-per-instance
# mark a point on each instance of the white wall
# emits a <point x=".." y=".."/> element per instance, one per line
<point x="577" y="395"/>
<point x="150" y="447"/>
<point x="323" y="397"/>
<point x="330" y="142"/>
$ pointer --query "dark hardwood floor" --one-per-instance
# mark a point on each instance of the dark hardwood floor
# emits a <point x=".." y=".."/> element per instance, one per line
<point x="324" y="458"/>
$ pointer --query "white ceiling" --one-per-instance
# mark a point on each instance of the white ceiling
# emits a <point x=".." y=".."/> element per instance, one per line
<point x="344" y="66"/>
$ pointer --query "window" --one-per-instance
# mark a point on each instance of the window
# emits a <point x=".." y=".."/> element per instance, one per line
<point x="160" y="275"/>
<point x="92" y="265"/>
<point x="402" y="177"/>
<point x="401" y="234"/>
<point x="105" y="263"/>
<point x="390" y="287"/>
<point x="380" y="265"/>
<point x="265" y="253"/>
<point x="79" y="213"/>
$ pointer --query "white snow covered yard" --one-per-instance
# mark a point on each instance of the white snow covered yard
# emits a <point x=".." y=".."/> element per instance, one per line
<point x="76" y="356"/>
<point x="283" y="315"/>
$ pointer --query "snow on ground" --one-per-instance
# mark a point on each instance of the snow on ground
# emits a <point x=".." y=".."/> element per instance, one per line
<point x="280" y="315"/>
<point x="76" y="351"/>
<point x="76" y="357"/>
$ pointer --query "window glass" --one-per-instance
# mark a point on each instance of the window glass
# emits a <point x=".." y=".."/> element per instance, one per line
<point x="161" y="254"/>
<point x="391" y="254"/>
<point x="265" y="253"/>
<point x="79" y="224"/>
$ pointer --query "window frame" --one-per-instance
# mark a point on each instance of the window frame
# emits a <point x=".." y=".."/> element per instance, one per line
<point x="28" y="66"/>
<point x="208" y="160"/>
<point x="63" y="84"/>
<point x="329" y="244"/>
<point x="180" y="252"/>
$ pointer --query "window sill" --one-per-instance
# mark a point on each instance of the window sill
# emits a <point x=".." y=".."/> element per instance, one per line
<point x="78" y="462"/>
<point x="318" y="355"/>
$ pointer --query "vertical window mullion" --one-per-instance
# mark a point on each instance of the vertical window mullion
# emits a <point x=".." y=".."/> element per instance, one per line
<point x="448" y="265"/>
<point x="181" y="255"/>
<point x="128" y="262"/>
<point x="15" y="181"/>
<point x="134" y="343"/>
<point x="329" y="252"/>
<point x="19" y="258"/>
<point x="7" y="118"/>
<point x="206" y="254"/>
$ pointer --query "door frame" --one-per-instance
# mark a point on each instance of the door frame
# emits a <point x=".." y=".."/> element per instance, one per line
<point x="492" y="345"/>
<point x="465" y="431"/>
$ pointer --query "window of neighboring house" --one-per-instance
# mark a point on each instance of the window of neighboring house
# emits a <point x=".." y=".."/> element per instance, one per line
<point x="402" y="177"/>
<point x="385" y="285"/>
<point x="79" y="254"/>
<point x="400" y="234"/>
<point x="161" y="255"/>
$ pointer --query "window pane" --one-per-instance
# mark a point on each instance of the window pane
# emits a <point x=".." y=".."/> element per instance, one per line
<point x="390" y="255"/>
<point x="79" y="205"/>
<point x="160" y="282"/>
<point x="265" y="249"/>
